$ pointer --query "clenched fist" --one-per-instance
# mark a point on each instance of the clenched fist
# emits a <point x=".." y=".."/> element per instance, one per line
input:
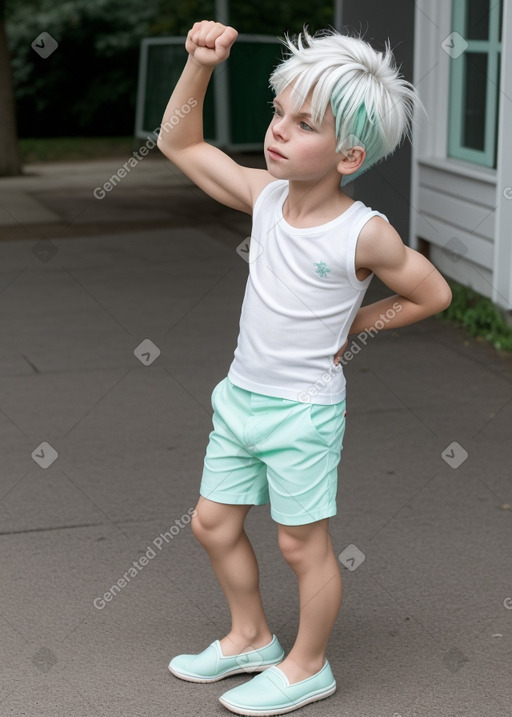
<point x="209" y="43"/>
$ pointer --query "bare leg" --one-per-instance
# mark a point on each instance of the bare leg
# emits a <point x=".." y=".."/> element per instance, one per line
<point x="220" y="530"/>
<point x="309" y="552"/>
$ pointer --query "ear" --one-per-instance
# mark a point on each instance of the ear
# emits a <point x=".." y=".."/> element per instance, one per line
<point x="351" y="160"/>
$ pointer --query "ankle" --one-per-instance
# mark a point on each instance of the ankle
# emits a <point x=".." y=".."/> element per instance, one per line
<point x="307" y="664"/>
<point x="245" y="641"/>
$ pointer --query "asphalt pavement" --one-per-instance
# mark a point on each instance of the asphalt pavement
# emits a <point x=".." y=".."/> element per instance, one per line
<point x="119" y="309"/>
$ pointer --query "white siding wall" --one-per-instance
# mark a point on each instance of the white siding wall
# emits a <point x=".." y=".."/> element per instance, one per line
<point x="454" y="203"/>
<point x="457" y="217"/>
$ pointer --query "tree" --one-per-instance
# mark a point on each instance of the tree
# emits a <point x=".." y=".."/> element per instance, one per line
<point x="87" y="86"/>
<point x="10" y="163"/>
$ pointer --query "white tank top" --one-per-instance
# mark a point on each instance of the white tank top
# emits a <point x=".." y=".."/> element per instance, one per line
<point x="301" y="297"/>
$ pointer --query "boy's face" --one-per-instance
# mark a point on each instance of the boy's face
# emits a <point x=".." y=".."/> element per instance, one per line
<point x="298" y="148"/>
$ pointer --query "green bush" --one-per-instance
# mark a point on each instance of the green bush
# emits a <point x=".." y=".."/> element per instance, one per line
<point x="479" y="316"/>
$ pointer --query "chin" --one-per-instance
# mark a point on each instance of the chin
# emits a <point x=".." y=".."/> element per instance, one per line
<point x="274" y="171"/>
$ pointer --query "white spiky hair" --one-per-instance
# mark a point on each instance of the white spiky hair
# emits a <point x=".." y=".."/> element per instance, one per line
<point x="372" y="103"/>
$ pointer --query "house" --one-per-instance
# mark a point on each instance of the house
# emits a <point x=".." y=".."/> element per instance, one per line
<point x="452" y="199"/>
<point x="461" y="189"/>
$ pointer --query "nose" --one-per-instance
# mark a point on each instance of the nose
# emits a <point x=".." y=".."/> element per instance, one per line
<point x="279" y="129"/>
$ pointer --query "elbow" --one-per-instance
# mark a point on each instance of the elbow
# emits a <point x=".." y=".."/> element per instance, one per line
<point x="164" y="148"/>
<point x="160" y="143"/>
<point x="164" y="139"/>
<point x="444" y="298"/>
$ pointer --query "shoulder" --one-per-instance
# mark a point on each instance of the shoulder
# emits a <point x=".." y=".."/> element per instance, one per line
<point x="379" y="244"/>
<point x="268" y="186"/>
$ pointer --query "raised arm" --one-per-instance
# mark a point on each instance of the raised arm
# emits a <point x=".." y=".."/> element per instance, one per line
<point x="208" y="44"/>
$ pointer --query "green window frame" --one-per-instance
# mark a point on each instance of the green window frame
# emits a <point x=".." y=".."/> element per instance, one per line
<point x="474" y="83"/>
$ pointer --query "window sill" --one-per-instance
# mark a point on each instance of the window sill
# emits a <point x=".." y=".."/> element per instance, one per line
<point x="463" y="169"/>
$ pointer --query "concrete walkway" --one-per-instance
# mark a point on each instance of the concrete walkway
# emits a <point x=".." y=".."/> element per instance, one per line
<point x="118" y="317"/>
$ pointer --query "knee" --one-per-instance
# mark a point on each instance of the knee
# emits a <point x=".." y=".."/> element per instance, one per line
<point x="202" y="525"/>
<point x="301" y="551"/>
<point x="292" y="549"/>
<point x="211" y="530"/>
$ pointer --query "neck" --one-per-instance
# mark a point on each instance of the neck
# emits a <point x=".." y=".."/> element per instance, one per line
<point x="310" y="203"/>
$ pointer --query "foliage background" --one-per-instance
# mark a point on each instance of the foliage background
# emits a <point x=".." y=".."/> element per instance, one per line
<point x="88" y="86"/>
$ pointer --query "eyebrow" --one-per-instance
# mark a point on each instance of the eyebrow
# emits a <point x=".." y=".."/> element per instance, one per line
<point x="299" y="114"/>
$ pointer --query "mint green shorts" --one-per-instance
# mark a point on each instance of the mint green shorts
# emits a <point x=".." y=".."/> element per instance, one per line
<point x="266" y="449"/>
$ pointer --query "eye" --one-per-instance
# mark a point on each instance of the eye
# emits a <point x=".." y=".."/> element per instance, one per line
<point x="276" y="112"/>
<point x="305" y="126"/>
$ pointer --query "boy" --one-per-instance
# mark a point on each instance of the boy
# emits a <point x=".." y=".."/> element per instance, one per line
<point x="279" y="415"/>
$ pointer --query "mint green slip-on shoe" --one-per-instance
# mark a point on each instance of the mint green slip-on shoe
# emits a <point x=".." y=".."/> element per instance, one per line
<point x="271" y="693"/>
<point x="211" y="665"/>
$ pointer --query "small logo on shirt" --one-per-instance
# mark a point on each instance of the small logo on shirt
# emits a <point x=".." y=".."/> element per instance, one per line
<point x="322" y="269"/>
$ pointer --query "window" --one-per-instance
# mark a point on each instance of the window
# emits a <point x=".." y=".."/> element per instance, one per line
<point x="475" y="80"/>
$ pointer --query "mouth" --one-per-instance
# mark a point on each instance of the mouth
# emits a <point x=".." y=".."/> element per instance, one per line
<point x="273" y="153"/>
